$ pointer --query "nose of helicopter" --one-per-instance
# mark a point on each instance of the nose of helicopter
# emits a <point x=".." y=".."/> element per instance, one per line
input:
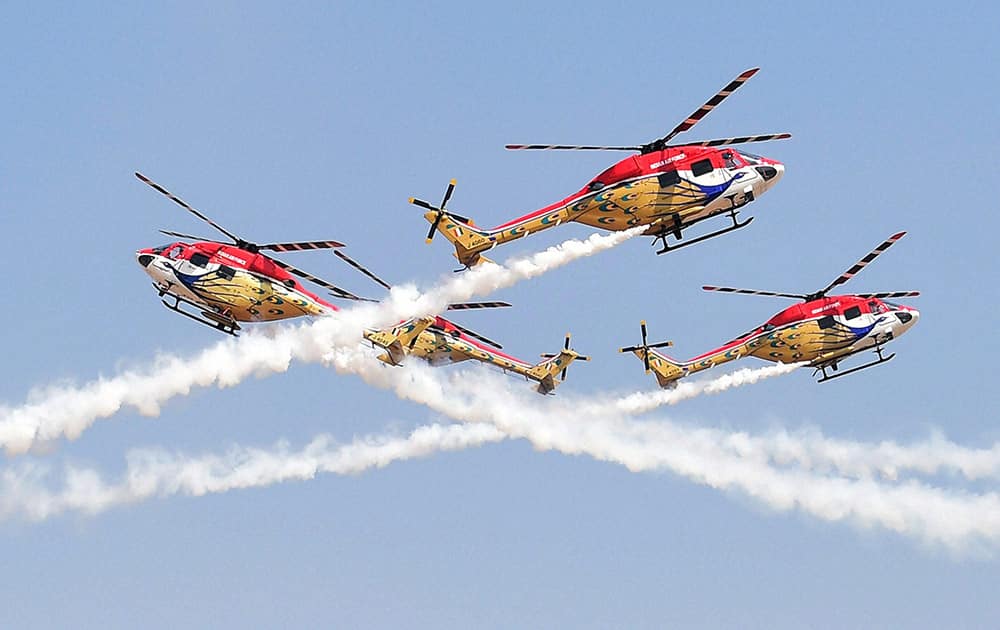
<point x="907" y="318"/>
<point x="771" y="172"/>
<point x="143" y="258"/>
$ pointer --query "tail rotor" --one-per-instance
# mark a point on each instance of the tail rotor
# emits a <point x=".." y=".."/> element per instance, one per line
<point x="645" y="346"/>
<point x="567" y="353"/>
<point x="438" y="211"/>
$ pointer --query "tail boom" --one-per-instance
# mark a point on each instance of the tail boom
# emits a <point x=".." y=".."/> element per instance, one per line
<point x="668" y="371"/>
<point x="546" y="371"/>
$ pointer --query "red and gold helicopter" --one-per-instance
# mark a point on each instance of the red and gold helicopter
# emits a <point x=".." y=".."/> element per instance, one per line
<point x="668" y="187"/>
<point x="822" y="331"/>
<point x="229" y="283"/>
<point x="439" y="341"/>
<point x="232" y="283"/>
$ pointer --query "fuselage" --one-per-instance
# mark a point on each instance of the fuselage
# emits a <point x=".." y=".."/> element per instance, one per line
<point x="439" y="341"/>
<point x="818" y="332"/>
<point x="696" y="182"/>
<point x="233" y="282"/>
<point x="667" y="190"/>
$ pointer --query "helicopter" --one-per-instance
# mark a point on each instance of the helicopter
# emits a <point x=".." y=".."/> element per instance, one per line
<point x="667" y="187"/>
<point x="232" y="283"/>
<point x="229" y="283"/>
<point x="439" y="341"/>
<point x="821" y="332"/>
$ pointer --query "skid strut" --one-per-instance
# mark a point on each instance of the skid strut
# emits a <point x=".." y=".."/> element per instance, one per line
<point x="881" y="359"/>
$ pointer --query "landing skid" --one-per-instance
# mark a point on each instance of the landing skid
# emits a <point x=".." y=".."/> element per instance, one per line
<point x="210" y="319"/>
<point x="676" y="231"/>
<point x="881" y="359"/>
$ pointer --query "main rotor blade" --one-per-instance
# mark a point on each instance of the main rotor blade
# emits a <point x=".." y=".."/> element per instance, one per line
<point x="350" y="261"/>
<point x="796" y="296"/>
<point x="184" y="205"/>
<point x="347" y="295"/>
<point x="300" y="246"/>
<point x="861" y="264"/>
<point x="189" y="236"/>
<point x="890" y="294"/>
<point x="476" y="335"/>
<point x="720" y="142"/>
<point x="462" y="306"/>
<point x="702" y="111"/>
<point x="566" y="147"/>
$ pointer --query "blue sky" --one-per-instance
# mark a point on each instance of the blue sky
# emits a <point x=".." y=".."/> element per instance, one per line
<point x="309" y="121"/>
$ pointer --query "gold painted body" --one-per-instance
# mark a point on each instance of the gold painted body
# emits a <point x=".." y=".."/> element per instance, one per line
<point x="250" y="298"/>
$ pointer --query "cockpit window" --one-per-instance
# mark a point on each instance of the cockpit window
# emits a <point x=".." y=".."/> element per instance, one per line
<point x="670" y="178"/>
<point x="893" y="305"/>
<point x="199" y="259"/>
<point x="174" y="252"/>
<point x="729" y="160"/>
<point x="750" y="157"/>
<point x="701" y="167"/>
<point x="876" y="308"/>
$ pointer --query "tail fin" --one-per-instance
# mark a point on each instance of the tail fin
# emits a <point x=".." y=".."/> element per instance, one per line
<point x="398" y="340"/>
<point x="667" y="370"/>
<point x="469" y="241"/>
<point x="545" y="372"/>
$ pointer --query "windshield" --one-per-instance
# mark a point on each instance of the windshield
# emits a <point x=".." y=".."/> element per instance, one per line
<point x="174" y="252"/>
<point x="750" y="157"/>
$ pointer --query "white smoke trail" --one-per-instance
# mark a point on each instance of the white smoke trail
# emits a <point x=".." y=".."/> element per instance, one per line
<point x="65" y="412"/>
<point x="643" y="402"/>
<point x="488" y="277"/>
<point x="954" y="519"/>
<point x="158" y="473"/>
<point x="809" y="448"/>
